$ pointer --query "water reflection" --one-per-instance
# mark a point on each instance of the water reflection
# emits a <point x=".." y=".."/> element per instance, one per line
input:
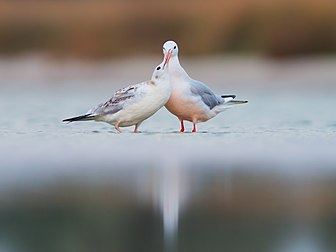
<point x="170" y="206"/>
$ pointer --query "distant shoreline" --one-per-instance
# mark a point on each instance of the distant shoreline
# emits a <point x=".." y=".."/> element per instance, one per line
<point x="227" y="72"/>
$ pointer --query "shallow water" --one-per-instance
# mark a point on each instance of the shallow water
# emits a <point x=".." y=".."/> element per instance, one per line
<point x="258" y="177"/>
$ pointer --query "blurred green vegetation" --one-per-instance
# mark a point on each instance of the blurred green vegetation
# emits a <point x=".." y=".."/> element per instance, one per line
<point x="88" y="228"/>
<point x="99" y="29"/>
<point x="81" y="228"/>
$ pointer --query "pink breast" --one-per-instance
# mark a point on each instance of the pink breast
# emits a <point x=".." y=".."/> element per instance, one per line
<point x="186" y="109"/>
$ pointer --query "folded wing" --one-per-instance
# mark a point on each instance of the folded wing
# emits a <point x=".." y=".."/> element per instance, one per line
<point x="208" y="97"/>
<point x="120" y="99"/>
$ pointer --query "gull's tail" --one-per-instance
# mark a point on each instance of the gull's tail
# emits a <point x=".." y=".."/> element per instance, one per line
<point x="230" y="100"/>
<point x="86" y="117"/>
<point x="234" y="102"/>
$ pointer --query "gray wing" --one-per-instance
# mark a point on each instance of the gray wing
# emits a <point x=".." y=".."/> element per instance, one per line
<point x="208" y="97"/>
<point x="119" y="100"/>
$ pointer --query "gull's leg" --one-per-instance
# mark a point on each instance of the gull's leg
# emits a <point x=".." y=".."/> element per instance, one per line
<point x="117" y="127"/>
<point x="136" y="127"/>
<point x="194" y="129"/>
<point x="182" y="126"/>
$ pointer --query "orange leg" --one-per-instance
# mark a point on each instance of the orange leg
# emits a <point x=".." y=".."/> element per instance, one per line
<point x="182" y="126"/>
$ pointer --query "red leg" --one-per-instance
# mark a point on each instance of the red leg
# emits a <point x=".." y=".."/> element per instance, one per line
<point x="194" y="129"/>
<point x="182" y="126"/>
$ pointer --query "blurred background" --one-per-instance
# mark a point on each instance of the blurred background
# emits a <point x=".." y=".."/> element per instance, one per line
<point x="259" y="177"/>
<point x="104" y="29"/>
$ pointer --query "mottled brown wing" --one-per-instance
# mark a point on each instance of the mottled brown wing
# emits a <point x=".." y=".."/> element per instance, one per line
<point x="119" y="100"/>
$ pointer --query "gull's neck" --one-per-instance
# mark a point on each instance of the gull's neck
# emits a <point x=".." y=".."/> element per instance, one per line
<point x="175" y="66"/>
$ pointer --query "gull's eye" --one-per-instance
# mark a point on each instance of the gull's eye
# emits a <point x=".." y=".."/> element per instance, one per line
<point x="158" y="68"/>
<point x="174" y="47"/>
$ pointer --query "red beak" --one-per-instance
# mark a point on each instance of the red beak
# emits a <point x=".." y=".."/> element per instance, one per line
<point x="168" y="56"/>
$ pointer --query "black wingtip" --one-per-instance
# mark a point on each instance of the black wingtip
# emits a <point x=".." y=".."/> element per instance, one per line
<point x="78" y="118"/>
<point x="68" y="120"/>
<point x="228" y="96"/>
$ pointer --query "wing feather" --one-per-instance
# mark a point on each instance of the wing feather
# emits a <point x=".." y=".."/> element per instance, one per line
<point x="207" y="96"/>
<point x="120" y="99"/>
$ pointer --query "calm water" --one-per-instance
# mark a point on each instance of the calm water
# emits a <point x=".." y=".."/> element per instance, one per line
<point x="258" y="177"/>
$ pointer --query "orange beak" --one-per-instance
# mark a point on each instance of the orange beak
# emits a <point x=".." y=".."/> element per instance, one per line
<point x="169" y="54"/>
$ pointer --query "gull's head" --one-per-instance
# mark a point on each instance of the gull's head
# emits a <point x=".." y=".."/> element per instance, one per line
<point x="170" y="46"/>
<point x="161" y="71"/>
<point x="170" y="49"/>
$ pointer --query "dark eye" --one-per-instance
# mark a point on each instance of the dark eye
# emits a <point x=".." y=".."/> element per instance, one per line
<point x="158" y="68"/>
<point x="174" y="47"/>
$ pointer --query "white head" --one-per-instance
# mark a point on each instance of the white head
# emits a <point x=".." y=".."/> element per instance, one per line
<point x="161" y="71"/>
<point x="170" y="49"/>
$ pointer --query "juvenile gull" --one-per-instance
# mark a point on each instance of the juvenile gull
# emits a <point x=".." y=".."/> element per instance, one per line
<point x="133" y="104"/>
<point x="192" y="100"/>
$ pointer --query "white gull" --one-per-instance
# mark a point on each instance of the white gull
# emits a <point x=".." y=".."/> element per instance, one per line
<point x="192" y="100"/>
<point x="133" y="104"/>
